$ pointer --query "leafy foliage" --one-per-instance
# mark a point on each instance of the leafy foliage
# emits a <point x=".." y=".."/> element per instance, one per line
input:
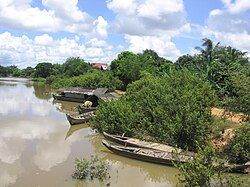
<point x="238" y="149"/>
<point x="92" y="79"/>
<point x="128" y="66"/>
<point x="94" y="168"/>
<point x="217" y="64"/>
<point x="43" y="69"/>
<point x="239" y="98"/>
<point x="206" y="169"/>
<point x="173" y="109"/>
<point x="75" y="66"/>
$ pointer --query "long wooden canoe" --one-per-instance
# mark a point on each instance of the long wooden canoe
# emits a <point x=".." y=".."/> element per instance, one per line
<point x="147" y="154"/>
<point x="78" y="119"/>
<point x="133" y="142"/>
<point x="165" y="157"/>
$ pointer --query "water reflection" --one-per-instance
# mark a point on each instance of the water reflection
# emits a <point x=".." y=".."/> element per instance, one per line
<point x="38" y="146"/>
<point x="42" y="91"/>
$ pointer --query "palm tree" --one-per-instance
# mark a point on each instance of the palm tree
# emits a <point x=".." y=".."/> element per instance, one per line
<point x="209" y="49"/>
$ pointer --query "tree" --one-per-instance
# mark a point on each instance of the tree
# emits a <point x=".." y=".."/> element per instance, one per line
<point x="174" y="109"/>
<point x="75" y="66"/>
<point x="216" y="64"/>
<point x="28" y="72"/>
<point x="43" y="69"/>
<point x="126" y="67"/>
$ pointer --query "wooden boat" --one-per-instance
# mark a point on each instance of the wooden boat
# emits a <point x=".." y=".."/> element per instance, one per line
<point x="78" y="119"/>
<point x="165" y="157"/>
<point x="82" y="109"/>
<point x="74" y="94"/>
<point x="147" y="154"/>
<point x="126" y="141"/>
<point x="64" y="98"/>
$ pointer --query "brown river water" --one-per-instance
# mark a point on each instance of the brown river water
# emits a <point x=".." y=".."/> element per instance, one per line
<point x="38" y="146"/>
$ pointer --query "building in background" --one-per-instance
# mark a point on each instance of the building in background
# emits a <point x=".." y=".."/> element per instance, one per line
<point x="100" y="66"/>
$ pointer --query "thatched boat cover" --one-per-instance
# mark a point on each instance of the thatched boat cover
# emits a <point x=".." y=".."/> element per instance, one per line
<point x="77" y="90"/>
<point x="100" y="91"/>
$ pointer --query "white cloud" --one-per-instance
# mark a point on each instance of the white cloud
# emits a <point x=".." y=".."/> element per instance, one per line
<point x="24" y="51"/>
<point x="237" y="6"/>
<point x="162" y="45"/>
<point x="44" y="39"/>
<point x="54" y="17"/>
<point x="231" y="25"/>
<point x="148" y="17"/>
<point x="158" y="9"/>
<point x="101" y="26"/>
<point x="150" y="24"/>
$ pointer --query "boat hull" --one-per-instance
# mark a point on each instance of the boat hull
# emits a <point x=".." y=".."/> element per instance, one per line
<point x="71" y="99"/>
<point x="133" y="155"/>
<point x="79" y="120"/>
<point x="126" y="141"/>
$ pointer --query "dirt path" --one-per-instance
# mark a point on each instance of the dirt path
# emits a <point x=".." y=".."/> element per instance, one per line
<point x="227" y="133"/>
<point x="234" y="117"/>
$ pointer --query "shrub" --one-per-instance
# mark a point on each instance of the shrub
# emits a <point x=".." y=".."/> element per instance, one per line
<point x="238" y="149"/>
<point x="202" y="170"/>
<point x="239" y="98"/>
<point x="94" y="168"/>
<point x="173" y="109"/>
<point x="93" y="79"/>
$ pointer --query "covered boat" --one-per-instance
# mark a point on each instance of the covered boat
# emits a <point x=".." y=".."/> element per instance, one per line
<point x="148" y="155"/>
<point x="78" y="119"/>
<point x="133" y="142"/>
<point x="77" y="94"/>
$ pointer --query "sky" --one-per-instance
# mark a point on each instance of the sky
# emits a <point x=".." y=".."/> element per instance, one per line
<point x="34" y="31"/>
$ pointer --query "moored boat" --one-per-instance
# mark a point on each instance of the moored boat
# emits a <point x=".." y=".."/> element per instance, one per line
<point x="78" y="119"/>
<point x="147" y="154"/>
<point x="82" y="109"/>
<point x="165" y="158"/>
<point x="133" y="142"/>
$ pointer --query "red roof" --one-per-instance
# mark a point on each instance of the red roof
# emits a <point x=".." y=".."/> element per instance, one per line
<point x="100" y="65"/>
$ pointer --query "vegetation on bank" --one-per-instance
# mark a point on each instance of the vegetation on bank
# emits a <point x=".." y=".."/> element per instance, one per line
<point x="93" y="168"/>
<point x="238" y="148"/>
<point x="208" y="169"/>
<point x="173" y="109"/>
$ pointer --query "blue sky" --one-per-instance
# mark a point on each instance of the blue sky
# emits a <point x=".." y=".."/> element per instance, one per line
<point x="33" y="31"/>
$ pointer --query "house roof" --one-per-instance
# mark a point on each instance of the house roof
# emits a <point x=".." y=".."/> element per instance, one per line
<point x="99" y="65"/>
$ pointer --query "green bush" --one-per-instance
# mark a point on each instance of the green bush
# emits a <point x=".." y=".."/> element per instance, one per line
<point x="202" y="170"/>
<point x="94" y="168"/>
<point x="173" y="109"/>
<point x="92" y="79"/>
<point x="238" y="149"/>
<point x="239" y="97"/>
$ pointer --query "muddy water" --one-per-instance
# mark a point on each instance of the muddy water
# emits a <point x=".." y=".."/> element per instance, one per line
<point x="38" y="146"/>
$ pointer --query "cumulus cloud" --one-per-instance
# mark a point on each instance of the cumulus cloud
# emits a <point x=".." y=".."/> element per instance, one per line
<point x="149" y="24"/>
<point x="162" y="45"/>
<point x="230" y="25"/>
<point x="55" y="16"/>
<point x="237" y="6"/>
<point x="148" y="17"/>
<point x="24" y="51"/>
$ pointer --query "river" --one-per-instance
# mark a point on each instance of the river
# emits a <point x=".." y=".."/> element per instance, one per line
<point x="38" y="146"/>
